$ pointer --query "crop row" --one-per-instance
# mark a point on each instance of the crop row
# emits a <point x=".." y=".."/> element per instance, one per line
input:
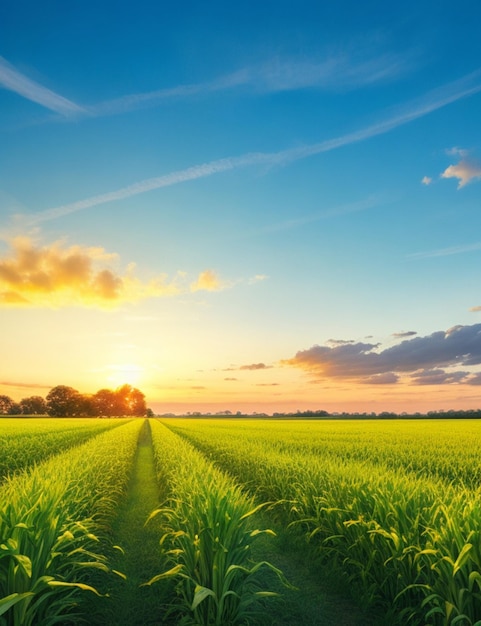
<point x="411" y="546"/>
<point x="209" y="528"/>
<point x="26" y="442"/>
<point x="51" y="519"/>
<point x="446" y="449"/>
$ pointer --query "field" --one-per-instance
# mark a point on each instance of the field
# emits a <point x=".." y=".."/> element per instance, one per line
<point x="240" y="521"/>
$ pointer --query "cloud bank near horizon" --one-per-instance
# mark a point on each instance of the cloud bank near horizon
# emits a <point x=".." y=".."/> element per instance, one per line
<point x="433" y="359"/>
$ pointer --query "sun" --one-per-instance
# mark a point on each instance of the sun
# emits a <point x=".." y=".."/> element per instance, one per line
<point x="125" y="373"/>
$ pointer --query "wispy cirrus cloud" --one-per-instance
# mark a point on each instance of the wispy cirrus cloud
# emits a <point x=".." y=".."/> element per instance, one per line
<point x="24" y="385"/>
<point x="430" y="102"/>
<point x="135" y="101"/>
<point x="462" y="249"/>
<point x="370" y="202"/>
<point x="13" y="80"/>
<point x="338" y="70"/>
<point x="56" y="275"/>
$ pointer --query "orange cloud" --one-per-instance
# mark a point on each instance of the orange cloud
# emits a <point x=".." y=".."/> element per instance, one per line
<point x="56" y="275"/>
<point x="208" y="281"/>
<point x="255" y="366"/>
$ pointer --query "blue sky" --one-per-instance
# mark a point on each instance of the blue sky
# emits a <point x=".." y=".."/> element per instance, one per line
<point x="263" y="206"/>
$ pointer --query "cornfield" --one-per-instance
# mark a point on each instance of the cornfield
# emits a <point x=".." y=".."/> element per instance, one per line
<point x="52" y="518"/>
<point x="392" y="507"/>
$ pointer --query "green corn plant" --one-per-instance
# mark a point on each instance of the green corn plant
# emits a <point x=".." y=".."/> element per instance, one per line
<point x="395" y="504"/>
<point x="50" y="519"/>
<point x="26" y="442"/>
<point x="208" y="538"/>
<point x="42" y="555"/>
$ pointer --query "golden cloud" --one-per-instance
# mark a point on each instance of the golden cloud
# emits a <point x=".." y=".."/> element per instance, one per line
<point x="56" y="275"/>
<point x="207" y="281"/>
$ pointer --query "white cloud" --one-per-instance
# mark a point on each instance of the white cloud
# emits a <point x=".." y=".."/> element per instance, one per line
<point x="426" y="180"/>
<point x="455" y="151"/>
<point x="13" y="80"/>
<point x="465" y="171"/>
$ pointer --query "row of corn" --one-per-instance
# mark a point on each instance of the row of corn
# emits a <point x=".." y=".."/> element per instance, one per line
<point x="411" y="546"/>
<point x="52" y="517"/>
<point x="209" y="528"/>
<point x="23" y="442"/>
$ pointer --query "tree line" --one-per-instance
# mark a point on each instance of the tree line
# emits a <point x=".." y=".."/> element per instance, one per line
<point x="64" y="401"/>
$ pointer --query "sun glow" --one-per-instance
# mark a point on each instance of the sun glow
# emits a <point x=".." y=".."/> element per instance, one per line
<point x="125" y="373"/>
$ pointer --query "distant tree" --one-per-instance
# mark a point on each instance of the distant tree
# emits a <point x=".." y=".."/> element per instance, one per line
<point x="149" y="413"/>
<point x="63" y="401"/>
<point x="33" y="405"/>
<point x="106" y="403"/>
<point x="131" y="400"/>
<point x="15" y="409"/>
<point x="87" y="406"/>
<point x="6" y="405"/>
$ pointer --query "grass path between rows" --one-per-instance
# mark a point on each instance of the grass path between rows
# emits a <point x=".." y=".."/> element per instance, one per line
<point x="319" y="597"/>
<point x="129" y="603"/>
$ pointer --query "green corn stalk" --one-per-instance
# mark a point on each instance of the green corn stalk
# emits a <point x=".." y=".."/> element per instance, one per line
<point x="208" y="537"/>
<point x="395" y="504"/>
<point x="50" y="520"/>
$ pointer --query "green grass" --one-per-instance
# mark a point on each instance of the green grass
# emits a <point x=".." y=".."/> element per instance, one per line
<point x="318" y="598"/>
<point x="131" y="604"/>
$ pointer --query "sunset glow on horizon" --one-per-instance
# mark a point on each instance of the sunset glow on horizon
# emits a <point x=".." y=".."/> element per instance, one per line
<point x="259" y="208"/>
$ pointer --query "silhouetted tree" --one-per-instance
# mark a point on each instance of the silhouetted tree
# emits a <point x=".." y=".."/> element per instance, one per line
<point x="63" y="401"/>
<point x="33" y="405"/>
<point x="6" y="405"/>
<point x="86" y="406"/>
<point x="106" y="403"/>
<point x="132" y="400"/>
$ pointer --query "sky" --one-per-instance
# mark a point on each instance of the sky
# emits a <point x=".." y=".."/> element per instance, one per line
<point x="256" y="207"/>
